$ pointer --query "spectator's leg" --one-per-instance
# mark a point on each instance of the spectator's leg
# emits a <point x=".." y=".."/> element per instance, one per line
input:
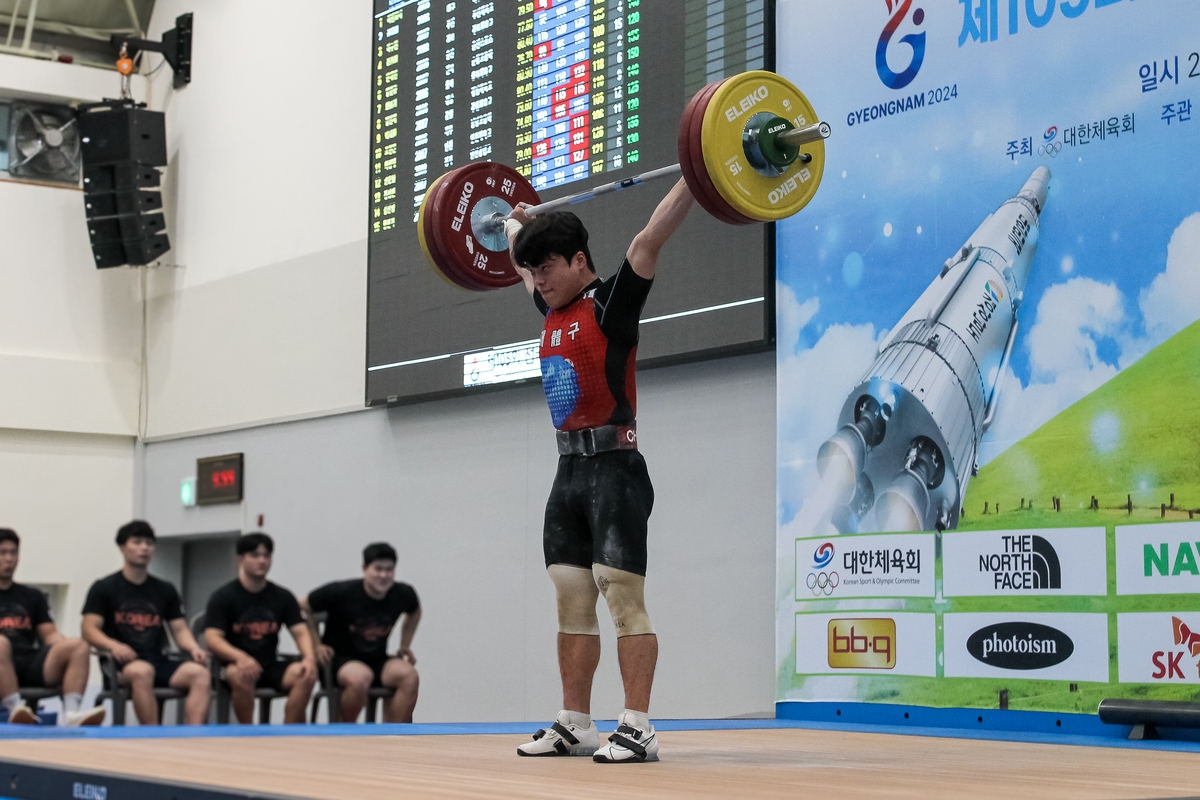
<point x="355" y="678"/>
<point x="8" y="673"/>
<point x="196" y="680"/>
<point x="140" y="677"/>
<point x="241" y="694"/>
<point x="299" y="690"/>
<point x="399" y="673"/>
<point x="67" y="663"/>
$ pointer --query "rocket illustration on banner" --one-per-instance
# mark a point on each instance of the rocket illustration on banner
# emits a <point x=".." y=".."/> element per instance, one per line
<point x="908" y="434"/>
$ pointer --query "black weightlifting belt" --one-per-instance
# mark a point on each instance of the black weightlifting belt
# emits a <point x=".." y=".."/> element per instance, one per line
<point x="589" y="441"/>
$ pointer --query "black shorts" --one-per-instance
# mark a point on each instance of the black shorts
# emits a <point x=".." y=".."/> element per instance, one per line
<point x="272" y="675"/>
<point x="30" y="667"/>
<point x="163" y="672"/>
<point x="376" y="666"/>
<point x="598" y="511"/>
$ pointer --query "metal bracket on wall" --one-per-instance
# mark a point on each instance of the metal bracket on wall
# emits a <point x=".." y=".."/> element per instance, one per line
<point x="176" y="48"/>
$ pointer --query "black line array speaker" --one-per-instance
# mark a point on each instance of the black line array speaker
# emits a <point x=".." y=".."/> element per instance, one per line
<point x="123" y="146"/>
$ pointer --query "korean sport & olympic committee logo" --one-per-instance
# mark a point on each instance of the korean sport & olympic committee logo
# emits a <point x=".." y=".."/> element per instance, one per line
<point x="1050" y="148"/>
<point x="819" y="581"/>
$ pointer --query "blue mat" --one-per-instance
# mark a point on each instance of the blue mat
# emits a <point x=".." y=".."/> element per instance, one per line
<point x="1018" y="726"/>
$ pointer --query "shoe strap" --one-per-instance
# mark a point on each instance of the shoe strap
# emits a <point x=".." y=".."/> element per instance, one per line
<point x="540" y="733"/>
<point x="626" y="742"/>
<point x="629" y="730"/>
<point x="562" y="731"/>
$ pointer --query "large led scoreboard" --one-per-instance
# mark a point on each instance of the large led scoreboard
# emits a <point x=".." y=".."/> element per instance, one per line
<point x="571" y="93"/>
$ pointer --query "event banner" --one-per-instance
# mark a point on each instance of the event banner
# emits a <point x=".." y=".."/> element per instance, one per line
<point x="989" y="355"/>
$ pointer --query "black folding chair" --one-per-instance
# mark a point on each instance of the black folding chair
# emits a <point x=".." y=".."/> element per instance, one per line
<point x="118" y="692"/>
<point x="33" y="695"/>
<point x="331" y="692"/>
<point x="221" y="691"/>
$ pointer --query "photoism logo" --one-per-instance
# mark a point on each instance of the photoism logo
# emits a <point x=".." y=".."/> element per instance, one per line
<point x="1168" y="663"/>
<point x="862" y="643"/>
<point x="1020" y="645"/>
<point x="899" y="10"/>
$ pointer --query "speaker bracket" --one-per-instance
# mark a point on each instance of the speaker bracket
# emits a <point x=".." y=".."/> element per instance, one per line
<point x="176" y="48"/>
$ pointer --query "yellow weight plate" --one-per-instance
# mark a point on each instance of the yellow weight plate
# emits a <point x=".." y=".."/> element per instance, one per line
<point x="749" y="192"/>
<point x="421" y="234"/>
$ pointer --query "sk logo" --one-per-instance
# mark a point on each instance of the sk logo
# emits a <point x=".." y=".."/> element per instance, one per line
<point x="890" y="79"/>
<point x="1168" y="663"/>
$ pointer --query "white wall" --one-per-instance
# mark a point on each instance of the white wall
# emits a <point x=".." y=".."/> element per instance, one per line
<point x="267" y="211"/>
<point x="69" y="333"/>
<point x="66" y="495"/>
<point x="459" y="487"/>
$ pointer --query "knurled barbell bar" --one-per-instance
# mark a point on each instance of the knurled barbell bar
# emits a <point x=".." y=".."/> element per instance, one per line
<point x="739" y="143"/>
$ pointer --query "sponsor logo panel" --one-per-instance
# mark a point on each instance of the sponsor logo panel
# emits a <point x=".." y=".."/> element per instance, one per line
<point x="1158" y="559"/>
<point x="1055" y="561"/>
<point x="1159" y="647"/>
<point x="868" y="565"/>
<point x="1036" y="646"/>
<point x="867" y="642"/>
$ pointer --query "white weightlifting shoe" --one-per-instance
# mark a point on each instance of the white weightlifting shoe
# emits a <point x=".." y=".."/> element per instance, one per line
<point x="23" y="715"/>
<point x="630" y="743"/>
<point x="563" y="738"/>
<point x="84" y="717"/>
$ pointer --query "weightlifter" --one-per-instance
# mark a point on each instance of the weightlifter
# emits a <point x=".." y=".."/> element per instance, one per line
<point x="594" y="536"/>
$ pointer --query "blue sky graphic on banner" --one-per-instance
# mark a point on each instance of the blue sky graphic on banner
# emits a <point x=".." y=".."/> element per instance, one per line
<point x="942" y="110"/>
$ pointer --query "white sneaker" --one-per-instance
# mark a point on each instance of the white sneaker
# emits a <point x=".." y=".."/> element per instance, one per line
<point x="629" y="744"/>
<point x="23" y="715"/>
<point x="93" y="716"/>
<point x="563" y="739"/>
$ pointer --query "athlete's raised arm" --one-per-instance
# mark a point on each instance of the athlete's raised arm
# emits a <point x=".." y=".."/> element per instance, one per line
<point x="666" y="219"/>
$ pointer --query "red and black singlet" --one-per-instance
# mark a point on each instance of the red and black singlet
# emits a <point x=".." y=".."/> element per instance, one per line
<point x="588" y="352"/>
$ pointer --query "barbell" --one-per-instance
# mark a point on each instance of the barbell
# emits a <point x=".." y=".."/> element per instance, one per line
<point x="740" y="151"/>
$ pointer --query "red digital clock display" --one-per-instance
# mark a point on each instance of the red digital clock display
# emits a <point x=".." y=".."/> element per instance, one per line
<point x="219" y="479"/>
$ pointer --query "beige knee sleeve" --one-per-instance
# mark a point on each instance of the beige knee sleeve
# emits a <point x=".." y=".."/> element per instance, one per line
<point x="577" y="594"/>
<point x="624" y="593"/>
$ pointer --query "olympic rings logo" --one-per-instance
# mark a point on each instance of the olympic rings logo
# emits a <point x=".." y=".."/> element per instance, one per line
<point x="1052" y="149"/>
<point x="822" y="583"/>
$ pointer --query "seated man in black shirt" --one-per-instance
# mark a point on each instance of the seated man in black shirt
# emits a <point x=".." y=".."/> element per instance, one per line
<point x="32" y="651"/>
<point x="242" y="629"/>
<point x="362" y="614"/>
<point x="124" y="613"/>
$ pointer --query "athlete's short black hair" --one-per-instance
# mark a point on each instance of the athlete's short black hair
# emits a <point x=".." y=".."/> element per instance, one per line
<point x="556" y="233"/>
<point x="251" y="542"/>
<point x="380" y="551"/>
<point x="138" y="528"/>
<point x="9" y="535"/>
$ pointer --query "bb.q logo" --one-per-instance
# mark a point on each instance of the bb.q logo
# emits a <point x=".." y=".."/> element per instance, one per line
<point x="899" y="11"/>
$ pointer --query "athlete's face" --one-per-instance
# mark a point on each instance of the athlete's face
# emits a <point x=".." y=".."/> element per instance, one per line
<point x="138" y="551"/>
<point x="559" y="281"/>
<point x="379" y="576"/>
<point x="255" y="564"/>
<point x="9" y="555"/>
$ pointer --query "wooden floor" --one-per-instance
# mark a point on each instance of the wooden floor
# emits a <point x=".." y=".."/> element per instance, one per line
<point x="756" y="763"/>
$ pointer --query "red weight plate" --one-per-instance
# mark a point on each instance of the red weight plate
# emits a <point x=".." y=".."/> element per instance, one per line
<point x="457" y="197"/>
<point x="446" y="266"/>
<point x="696" y="148"/>
<point x="687" y="161"/>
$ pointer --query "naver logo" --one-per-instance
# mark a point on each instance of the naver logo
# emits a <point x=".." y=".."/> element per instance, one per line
<point x="1162" y="561"/>
<point x="899" y="11"/>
